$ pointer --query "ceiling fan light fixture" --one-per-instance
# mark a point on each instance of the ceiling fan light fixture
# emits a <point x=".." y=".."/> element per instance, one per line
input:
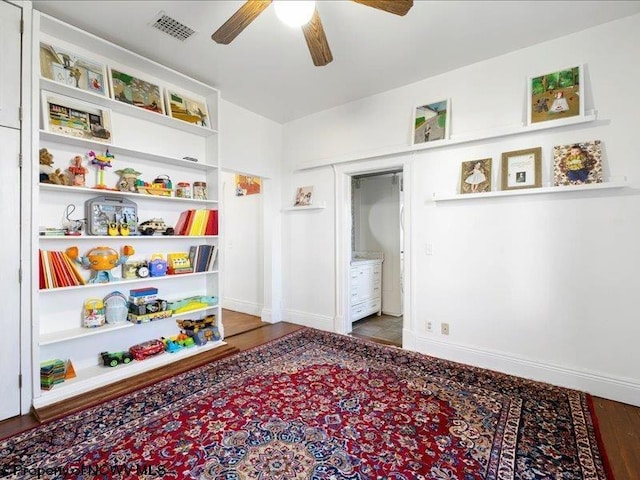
<point x="294" y="13"/>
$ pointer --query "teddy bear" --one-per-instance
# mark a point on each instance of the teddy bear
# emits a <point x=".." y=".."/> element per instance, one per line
<point x="47" y="173"/>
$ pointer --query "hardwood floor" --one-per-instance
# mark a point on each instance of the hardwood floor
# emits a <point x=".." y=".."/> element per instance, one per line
<point x="619" y="423"/>
<point x="236" y="323"/>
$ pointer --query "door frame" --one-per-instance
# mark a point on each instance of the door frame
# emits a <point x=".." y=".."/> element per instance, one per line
<point x="343" y="224"/>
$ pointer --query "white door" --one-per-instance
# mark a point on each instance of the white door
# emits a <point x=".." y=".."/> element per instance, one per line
<point x="10" y="209"/>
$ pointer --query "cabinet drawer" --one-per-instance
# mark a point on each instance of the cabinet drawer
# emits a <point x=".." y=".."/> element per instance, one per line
<point x="358" y="311"/>
<point x="373" y="305"/>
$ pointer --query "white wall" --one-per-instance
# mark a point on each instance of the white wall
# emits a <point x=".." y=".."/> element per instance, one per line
<point x="243" y="281"/>
<point x="541" y="286"/>
<point x="376" y="214"/>
<point x="252" y="144"/>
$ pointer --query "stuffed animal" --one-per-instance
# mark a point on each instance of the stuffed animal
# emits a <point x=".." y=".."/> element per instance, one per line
<point x="47" y="173"/>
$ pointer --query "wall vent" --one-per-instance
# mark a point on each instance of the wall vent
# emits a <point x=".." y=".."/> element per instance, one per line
<point x="172" y="27"/>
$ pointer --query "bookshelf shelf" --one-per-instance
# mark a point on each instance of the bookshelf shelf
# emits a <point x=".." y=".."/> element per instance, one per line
<point x="148" y="238"/>
<point x="81" y="332"/>
<point x="126" y="282"/>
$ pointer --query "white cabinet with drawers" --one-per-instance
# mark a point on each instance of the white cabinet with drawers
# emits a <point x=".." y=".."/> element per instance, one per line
<point x="365" y="288"/>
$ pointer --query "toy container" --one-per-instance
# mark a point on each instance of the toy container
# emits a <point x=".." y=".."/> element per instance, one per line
<point x="94" y="313"/>
<point x="200" y="190"/>
<point x="157" y="265"/>
<point x="183" y="190"/>
<point x="116" y="308"/>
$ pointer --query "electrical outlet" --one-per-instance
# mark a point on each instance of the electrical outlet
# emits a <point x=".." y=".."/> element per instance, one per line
<point x="428" y="326"/>
<point x="444" y="329"/>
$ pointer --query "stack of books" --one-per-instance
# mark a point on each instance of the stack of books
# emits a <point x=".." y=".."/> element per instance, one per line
<point x="52" y="372"/>
<point x="197" y="222"/>
<point x="203" y="257"/>
<point x="58" y="270"/>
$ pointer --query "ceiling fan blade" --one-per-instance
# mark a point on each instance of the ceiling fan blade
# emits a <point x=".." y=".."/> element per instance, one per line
<point x="246" y="14"/>
<point x="317" y="41"/>
<point x="397" y="7"/>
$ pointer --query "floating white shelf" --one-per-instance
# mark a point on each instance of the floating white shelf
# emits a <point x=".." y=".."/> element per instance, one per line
<point x="80" y="332"/>
<point x="126" y="282"/>
<point x="125" y="108"/>
<point x="98" y="375"/>
<point x="95" y="191"/>
<point x="458" y="139"/>
<point x="530" y="191"/>
<point x="74" y="238"/>
<point x="305" y="207"/>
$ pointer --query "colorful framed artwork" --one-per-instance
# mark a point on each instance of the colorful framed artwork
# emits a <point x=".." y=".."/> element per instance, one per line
<point x="431" y="122"/>
<point x="66" y="67"/>
<point x="304" y="196"/>
<point x="247" y="185"/>
<point x="74" y="118"/>
<point x="187" y="109"/>
<point x="129" y="89"/>
<point x="577" y="163"/>
<point x="522" y="169"/>
<point x="476" y="176"/>
<point x="556" y="95"/>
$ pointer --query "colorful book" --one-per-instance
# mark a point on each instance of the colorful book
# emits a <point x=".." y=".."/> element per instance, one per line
<point x="212" y="223"/>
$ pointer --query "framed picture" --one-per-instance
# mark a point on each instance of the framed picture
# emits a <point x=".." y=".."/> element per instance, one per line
<point x="431" y="122"/>
<point x="556" y="95"/>
<point x="187" y="109"/>
<point x="476" y="176"/>
<point x="577" y="163"/>
<point x="246" y="185"/>
<point x="128" y="89"/>
<point x="304" y="196"/>
<point x="75" y="118"/>
<point x="522" y="169"/>
<point x="66" y="67"/>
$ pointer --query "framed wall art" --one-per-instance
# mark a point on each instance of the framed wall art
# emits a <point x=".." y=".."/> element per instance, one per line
<point x="431" y="122"/>
<point x="522" y="169"/>
<point x="476" y="176"/>
<point x="74" y="118"/>
<point x="129" y="89"/>
<point x="304" y="196"/>
<point x="247" y="185"/>
<point x="577" y="163"/>
<point x="556" y="95"/>
<point x="187" y="108"/>
<point x="66" y="67"/>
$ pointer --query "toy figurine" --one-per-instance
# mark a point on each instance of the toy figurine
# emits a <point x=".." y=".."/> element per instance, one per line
<point x="48" y="174"/>
<point x="128" y="177"/>
<point x="102" y="162"/>
<point x="77" y="171"/>
<point x="101" y="260"/>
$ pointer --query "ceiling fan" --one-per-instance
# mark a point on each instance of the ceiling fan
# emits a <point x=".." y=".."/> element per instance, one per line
<point x="303" y="14"/>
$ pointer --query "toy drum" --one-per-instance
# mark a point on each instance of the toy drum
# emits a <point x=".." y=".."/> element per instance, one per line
<point x="183" y="190"/>
<point x="200" y="190"/>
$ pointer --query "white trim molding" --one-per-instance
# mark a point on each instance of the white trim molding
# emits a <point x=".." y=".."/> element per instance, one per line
<point x="618" y="389"/>
<point x="321" y="322"/>
<point x="250" y="308"/>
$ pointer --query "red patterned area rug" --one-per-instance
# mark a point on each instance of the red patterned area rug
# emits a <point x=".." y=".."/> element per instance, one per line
<point x="315" y="405"/>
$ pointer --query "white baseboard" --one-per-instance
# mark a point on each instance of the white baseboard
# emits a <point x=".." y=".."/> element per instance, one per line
<point x="270" y="316"/>
<point x="241" y="306"/>
<point x="321" y="322"/>
<point x="618" y="389"/>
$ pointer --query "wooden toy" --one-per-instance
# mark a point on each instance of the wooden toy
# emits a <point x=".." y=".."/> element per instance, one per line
<point x="101" y="162"/>
<point x="77" y="172"/>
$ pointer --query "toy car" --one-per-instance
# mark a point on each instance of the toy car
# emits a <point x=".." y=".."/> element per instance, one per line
<point x="114" y="358"/>
<point x="155" y="225"/>
<point x="147" y="349"/>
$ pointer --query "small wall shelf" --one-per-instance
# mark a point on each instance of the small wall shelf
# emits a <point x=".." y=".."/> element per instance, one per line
<point x="531" y="191"/>
<point x="320" y="206"/>
<point x="95" y="191"/>
<point x="117" y="150"/>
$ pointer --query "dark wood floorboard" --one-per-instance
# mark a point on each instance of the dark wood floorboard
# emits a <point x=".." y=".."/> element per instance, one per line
<point x="619" y="423"/>
<point x="236" y="323"/>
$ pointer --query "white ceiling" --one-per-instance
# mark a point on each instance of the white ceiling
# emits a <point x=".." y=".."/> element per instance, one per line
<point x="268" y="70"/>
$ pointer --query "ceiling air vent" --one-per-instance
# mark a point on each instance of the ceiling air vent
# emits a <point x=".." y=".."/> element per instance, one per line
<point x="171" y="26"/>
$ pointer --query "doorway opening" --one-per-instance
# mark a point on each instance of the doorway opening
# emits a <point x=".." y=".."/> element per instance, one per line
<point x="376" y="268"/>
<point x="242" y="253"/>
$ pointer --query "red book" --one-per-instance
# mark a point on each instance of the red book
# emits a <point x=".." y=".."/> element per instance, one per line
<point x="188" y="223"/>
<point x="181" y="222"/>
<point x="212" y="223"/>
<point x="65" y="278"/>
<point x="42" y="283"/>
